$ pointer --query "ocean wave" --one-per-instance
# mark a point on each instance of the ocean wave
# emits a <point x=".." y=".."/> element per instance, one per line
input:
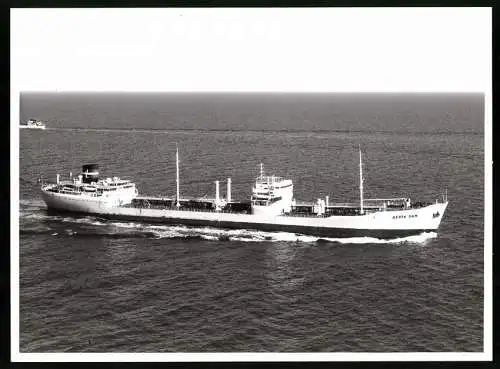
<point x="87" y="220"/>
<point x="27" y="215"/>
<point x="420" y="238"/>
<point x="221" y="235"/>
<point x="37" y="216"/>
<point x="84" y="234"/>
<point x="126" y="225"/>
<point x="37" y="202"/>
<point x="292" y="237"/>
<point x="246" y="235"/>
<point x="210" y="238"/>
<point x="42" y="215"/>
<point x="36" y="229"/>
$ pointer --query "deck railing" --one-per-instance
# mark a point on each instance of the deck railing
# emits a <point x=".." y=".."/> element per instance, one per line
<point x="331" y="210"/>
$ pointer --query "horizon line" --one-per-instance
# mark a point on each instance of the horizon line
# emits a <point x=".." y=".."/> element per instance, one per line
<point x="253" y="92"/>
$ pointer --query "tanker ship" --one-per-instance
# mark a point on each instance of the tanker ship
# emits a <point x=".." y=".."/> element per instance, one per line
<point x="272" y="207"/>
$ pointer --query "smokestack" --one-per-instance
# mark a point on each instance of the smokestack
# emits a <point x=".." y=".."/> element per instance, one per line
<point x="229" y="190"/>
<point x="217" y="194"/>
<point x="57" y="178"/>
<point x="327" y="198"/>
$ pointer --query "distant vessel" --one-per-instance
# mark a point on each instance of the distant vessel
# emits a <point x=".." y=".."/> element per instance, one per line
<point x="33" y="124"/>
<point x="272" y="207"/>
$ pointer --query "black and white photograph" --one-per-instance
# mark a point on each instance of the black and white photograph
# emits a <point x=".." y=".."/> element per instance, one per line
<point x="251" y="184"/>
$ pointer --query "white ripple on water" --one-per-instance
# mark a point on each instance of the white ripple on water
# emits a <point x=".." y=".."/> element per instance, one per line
<point x="35" y="203"/>
<point x="37" y="228"/>
<point x="245" y="235"/>
<point x="91" y="221"/>
<point x="36" y="216"/>
<point x="420" y="238"/>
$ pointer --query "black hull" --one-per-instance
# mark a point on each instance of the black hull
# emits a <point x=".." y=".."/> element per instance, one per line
<point x="384" y="234"/>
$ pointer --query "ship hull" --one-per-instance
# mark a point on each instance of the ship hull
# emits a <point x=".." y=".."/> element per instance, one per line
<point x="381" y="225"/>
<point x="269" y="227"/>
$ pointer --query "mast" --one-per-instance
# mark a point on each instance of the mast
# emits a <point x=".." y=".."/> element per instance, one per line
<point x="261" y="170"/>
<point x="177" y="177"/>
<point x="361" y="182"/>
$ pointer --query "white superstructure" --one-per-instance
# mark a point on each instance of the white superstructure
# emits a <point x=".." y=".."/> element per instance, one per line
<point x="88" y="193"/>
<point x="271" y="196"/>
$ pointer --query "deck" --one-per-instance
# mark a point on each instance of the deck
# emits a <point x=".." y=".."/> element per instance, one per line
<point x="300" y="209"/>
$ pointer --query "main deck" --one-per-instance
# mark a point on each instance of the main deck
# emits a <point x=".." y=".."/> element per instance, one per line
<point x="300" y="209"/>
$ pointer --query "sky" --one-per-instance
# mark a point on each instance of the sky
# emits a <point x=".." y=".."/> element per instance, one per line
<point x="279" y="49"/>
